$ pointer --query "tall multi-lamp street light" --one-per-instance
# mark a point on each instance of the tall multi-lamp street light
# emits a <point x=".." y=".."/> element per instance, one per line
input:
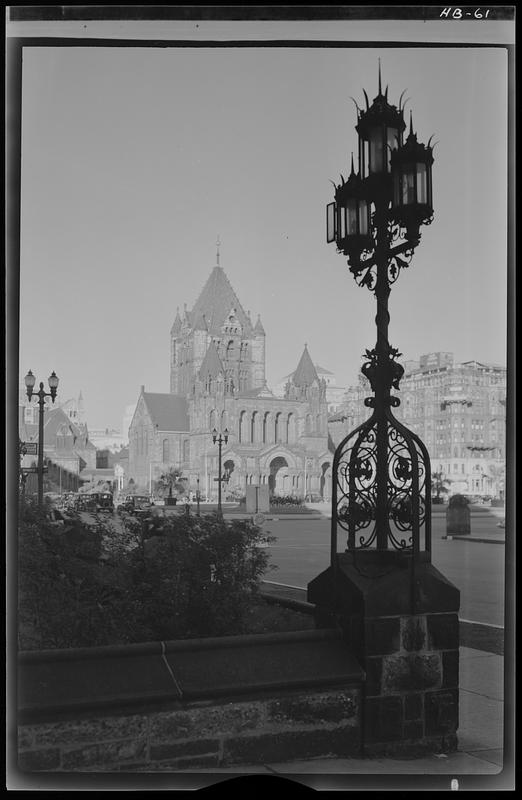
<point x="220" y="439"/>
<point x="30" y="381"/>
<point x="381" y="493"/>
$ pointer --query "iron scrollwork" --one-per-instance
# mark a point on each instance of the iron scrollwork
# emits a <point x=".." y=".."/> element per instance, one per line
<point x="355" y="506"/>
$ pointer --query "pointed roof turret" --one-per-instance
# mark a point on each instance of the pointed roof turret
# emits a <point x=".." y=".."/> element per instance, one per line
<point x="258" y="327"/>
<point x="305" y="374"/>
<point x="176" y="325"/>
<point x="212" y="364"/>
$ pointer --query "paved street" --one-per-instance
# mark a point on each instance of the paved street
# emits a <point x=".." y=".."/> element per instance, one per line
<point x="302" y="550"/>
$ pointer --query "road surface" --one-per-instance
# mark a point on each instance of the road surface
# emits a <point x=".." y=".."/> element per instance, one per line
<point x="302" y="550"/>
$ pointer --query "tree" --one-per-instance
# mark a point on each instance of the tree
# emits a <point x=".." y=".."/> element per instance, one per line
<point x="440" y="484"/>
<point x="172" y="479"/>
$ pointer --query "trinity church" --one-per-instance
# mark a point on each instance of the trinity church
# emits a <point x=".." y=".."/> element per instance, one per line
<point x="217" y="382"/>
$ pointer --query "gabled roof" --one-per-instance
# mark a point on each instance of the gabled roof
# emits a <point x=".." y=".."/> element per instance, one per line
<point x="169" y="412"/>
<point x="215" y="303"/>
<point x="305" y="374"/>
<point x="211" y="363"/>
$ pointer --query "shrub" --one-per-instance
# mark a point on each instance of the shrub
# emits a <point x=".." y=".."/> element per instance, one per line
<point x="285" y="500"/>
<point x="64" y="590"/>
<point x="197" y="576"/>
<point x="83" y="585"/>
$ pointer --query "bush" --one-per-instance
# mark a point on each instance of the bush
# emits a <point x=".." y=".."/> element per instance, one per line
<point x="197" y="576"/>
<point x="64" y="591"/>
<point x="84" y="585"/>
<point x="285" y="500"/>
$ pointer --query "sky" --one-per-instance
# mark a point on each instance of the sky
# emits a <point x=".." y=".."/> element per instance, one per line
<point x="134" y="161"/>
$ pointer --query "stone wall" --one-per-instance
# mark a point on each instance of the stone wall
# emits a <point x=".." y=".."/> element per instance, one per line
<point x="275" y="728"/>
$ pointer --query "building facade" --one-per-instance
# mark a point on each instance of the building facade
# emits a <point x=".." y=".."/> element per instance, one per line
<point x="459" y="412"/>
<point x="217" y="382"/>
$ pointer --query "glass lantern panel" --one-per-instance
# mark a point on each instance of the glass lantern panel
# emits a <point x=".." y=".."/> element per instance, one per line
<point x="342" y="222"/>
<point x="351" y="218"/>
<point x="363" y="218"/>
<point x="376" y="150"/>
<point x="330" y="222"/>
<point x="408" y="187"/>
<point x="422" y="184"/>
<point x="392" y="142"/>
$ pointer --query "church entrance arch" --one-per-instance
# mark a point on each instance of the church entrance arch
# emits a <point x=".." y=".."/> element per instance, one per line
<point x="278" y="479"/>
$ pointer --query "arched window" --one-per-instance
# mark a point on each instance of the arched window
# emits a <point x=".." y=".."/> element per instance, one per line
<point x="212" y="420"/>
<point x="166" y="451"/>
<point x="224" y="420"/>
<point x="318" y="427"/>
<point x="290" y="428"/>
<point x="253" y="423"/>
<point x="230" y="350"/>
<point x="277" y="426"/>
<point x="265" y="426"/>
<point x="308" y="424"/>
<point x="241" y="431"/>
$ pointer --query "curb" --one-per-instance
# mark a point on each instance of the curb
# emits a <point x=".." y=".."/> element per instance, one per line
<point x="468" y="538"/>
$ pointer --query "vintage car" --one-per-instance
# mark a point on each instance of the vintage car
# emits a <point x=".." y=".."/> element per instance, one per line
<point x="135" y="502"/>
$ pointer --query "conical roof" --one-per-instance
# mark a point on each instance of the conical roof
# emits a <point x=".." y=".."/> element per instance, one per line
<point x="176" y="325"/>
<point x="258" y="327"/>
<point x="305" y="374"/>
<point x="216" y="301"/>
<point x="212" y="364"/>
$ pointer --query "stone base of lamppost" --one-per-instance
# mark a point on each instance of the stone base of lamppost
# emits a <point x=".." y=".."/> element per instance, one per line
<point x="400" y="619"/>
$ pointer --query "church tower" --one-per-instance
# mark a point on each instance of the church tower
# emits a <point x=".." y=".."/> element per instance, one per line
<point x="216" y="331"/>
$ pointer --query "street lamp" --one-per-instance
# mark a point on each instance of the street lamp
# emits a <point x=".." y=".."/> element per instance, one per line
<point x="220" y="439"/>
<point x="381" y="477"/>
<point x="30" y="381"/>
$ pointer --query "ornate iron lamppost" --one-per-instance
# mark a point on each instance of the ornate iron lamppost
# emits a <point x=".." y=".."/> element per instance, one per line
<point x="220" y="439"/>
<point x="381" y="491"/>
<point x="30" y="381"/>
<point x="383" y="594"/>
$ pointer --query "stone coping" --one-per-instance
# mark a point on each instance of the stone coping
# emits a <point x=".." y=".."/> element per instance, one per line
<point x="55" y="681"/>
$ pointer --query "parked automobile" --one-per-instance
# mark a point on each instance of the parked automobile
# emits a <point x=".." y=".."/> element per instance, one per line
<point x="134" y="503"/>
<point x="103" y="502"/>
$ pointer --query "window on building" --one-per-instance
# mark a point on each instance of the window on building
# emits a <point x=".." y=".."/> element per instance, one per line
<point x="265" y="427"/>
<point x="166" y="451"/>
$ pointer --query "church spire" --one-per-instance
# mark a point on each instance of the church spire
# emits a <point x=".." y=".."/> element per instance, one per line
<point x="218" y="244"/>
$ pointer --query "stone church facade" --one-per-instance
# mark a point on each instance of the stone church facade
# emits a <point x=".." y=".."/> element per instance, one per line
<point x="217" y="381"/>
